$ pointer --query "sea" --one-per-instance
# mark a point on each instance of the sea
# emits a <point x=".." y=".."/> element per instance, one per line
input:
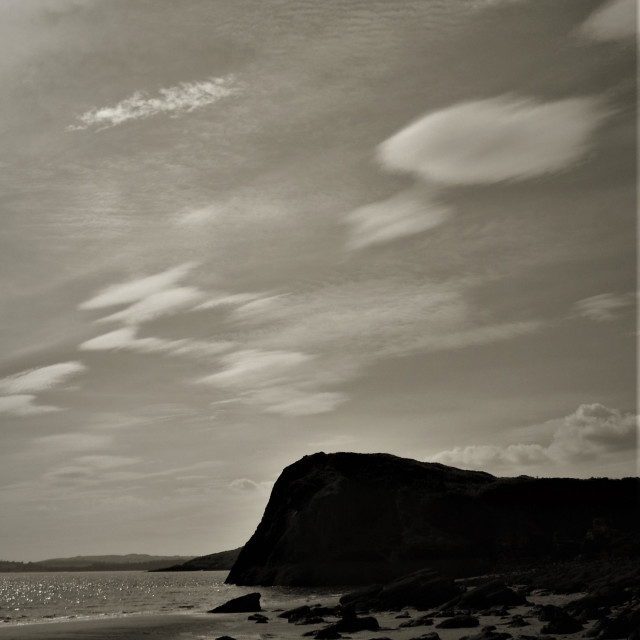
<point x="27" y="598"/>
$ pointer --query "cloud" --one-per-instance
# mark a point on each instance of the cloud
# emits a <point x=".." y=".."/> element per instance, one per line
<point x="41" y="379"/>
<point x="605" y="306"/>
<point x="126" y="339"/>
<point x="243" y="485"/>
<point x="182" y="98"/>
<point x="24" y="405"/>
<point x="404" y="214"/>
<point x="281" y="382"/>
<point x="493" y="140"/>
<point x="255" y="368"/>
<point x="136" y="290"/>
<point x="71" y="442"/>
<point x="591" y="432"/>
<point x="297" y="347"/>
<point x="158" y="304"/>
<point x="616" y="20"/>
<point x="290" y="401"/>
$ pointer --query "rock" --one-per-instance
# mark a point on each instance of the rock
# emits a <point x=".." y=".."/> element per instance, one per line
<point x="225" y="638"/>
<point x="491" y="594"/>
<point x="257" y="617"/>
<point x="348" y="624"/>
<point x="320" y="610"/>
<point x="328" y="633"/>
<point x="404" y="614"/>
<point x="592" y="606"/>
<point x="244" y="604"/>
<point x="458" y="622"/>
<point x="309" y="620"/>
<point x="562" y="625"/>
<point x="422" y="590"/>
<point x="428" y="636"/>
<point x="623" y="625"/>
<point x="488" y="633"/>
<point x="548" y="612"/>
<point x="296" y="614"/>
<point x="423" y="621"/>
<point x="517" y="621"/>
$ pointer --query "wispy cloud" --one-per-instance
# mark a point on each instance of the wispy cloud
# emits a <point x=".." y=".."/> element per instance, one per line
<point x="604" y="306"/>
<point x="24" y="405"/>
<point x="158" y="304"/>
<point x="136" y="290"/>
<point x="616" y="20"/>
<point x="404" y="214"/>
<point x="19" y="390"/>
<point x="281" y="382"/>
<point x="294" y="350"/>
<point x="591" y="432"/>
<point x="64" y="442"/>
<point x="126" y="339"/>
<point x="493" y="140"/>
<point x="182" y="98"/>
<point x="41" y="379"/>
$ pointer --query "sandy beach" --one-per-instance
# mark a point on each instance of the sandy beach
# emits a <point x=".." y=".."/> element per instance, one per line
<point x="238" y="626"/>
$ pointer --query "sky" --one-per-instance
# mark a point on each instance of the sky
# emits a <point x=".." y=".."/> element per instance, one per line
<point x="238" y="233"/>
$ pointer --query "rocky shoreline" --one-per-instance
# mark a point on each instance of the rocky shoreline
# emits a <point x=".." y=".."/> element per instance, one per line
<point x="427" y="606"/>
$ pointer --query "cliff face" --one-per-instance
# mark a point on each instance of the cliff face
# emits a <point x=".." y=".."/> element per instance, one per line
<point x="346" y="518"/>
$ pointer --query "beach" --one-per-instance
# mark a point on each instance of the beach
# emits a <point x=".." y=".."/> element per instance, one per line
<point x="202" y="626"/>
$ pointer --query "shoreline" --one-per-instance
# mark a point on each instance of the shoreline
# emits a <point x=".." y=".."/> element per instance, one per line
<point x="205" y="626"/>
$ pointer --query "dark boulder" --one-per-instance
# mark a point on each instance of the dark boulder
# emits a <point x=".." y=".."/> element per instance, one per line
<point x="244" y="604"/>
<point x="562" y="625"/>
<point x="491" y="594"/>
<point x="421" y="590"/>
<point x="296" y="614"/>
<point x="517" y="621"/>
<point x="458" y="622"/>
<point x="488" y="633"/>
<point x="422" y="621"/>
<point x="621" y="626"/>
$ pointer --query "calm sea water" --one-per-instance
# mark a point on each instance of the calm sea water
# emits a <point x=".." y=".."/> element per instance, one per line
<point x="37" y="597"/>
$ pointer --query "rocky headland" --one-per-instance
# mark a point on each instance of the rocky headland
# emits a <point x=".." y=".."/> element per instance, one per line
<point x="348" y="519"/>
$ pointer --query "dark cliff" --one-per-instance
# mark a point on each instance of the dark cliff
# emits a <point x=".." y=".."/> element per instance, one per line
<point x="347" y="518"/>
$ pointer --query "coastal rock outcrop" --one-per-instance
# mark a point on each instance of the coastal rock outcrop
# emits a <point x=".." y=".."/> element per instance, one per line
<point x="348" y="519"/>
<point x="248" y="603"/>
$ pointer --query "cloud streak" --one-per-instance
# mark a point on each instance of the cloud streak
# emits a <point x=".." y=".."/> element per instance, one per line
<point x="182" y="98"/>
<point x="41" y="379"/>
<point x="24" y="405"/>
<point x="616" y="20"/>
<point x="604" y="306"/>
<point x="19" y="391"/>
<point x="136" y="290"/>
<point x="404" y="214"/>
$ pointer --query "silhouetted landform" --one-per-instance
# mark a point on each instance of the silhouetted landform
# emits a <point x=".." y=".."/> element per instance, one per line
<point x="248" y="603"/>
<point x="221" y="561"/>
<point x="130" y="562"/>
<point x="348" y="518"/>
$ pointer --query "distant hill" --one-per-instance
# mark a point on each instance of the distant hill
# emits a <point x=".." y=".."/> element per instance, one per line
<point x="129" y="562"/>
<point x="222" y="561"/>
<point x="348" y="518"/>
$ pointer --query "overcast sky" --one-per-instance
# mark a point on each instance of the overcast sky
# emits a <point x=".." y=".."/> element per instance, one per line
<point x="237" y="233"/>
